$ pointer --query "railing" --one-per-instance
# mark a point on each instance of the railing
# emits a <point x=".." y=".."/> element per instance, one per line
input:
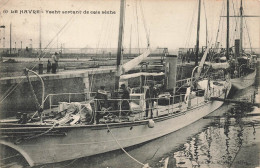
<point x="50" y="97"/>
<point x="172" y="104"/>
<point x="180" y="83"/>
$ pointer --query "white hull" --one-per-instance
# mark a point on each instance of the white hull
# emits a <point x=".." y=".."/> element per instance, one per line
<point x="244" y="81"/>
<point x="87" y="140"/>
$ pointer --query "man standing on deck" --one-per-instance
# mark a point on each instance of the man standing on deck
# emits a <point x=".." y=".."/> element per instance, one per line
<point x="150" y="96"/>
<point x="126" y="96"/>
<point x="54" y="62"/>
<point x="101" y="102"/>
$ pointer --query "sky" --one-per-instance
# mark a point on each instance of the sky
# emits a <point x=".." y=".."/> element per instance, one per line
<point x="166" y="23"/>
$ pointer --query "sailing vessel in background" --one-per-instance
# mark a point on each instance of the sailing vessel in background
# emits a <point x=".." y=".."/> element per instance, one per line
<point x="72" y="130"/>
<point x="240" y="65"/>
<point x="245" y="63"/>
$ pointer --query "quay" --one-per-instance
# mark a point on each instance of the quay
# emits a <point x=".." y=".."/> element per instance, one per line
<point x="65" y="81"/>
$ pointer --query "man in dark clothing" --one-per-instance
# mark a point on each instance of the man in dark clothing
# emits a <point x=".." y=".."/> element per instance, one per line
<point x="101" y="102"/>
<point x="54" y="62"/>
<point x="49" y="66"/>
<point x="147" y="101"/>
<point x="125" y="95"/>
<point x="150" y="96"/>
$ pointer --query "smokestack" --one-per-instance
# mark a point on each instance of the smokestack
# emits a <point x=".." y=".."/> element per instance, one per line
<point x="171" y="71"/>
<point x="237" y="44"/>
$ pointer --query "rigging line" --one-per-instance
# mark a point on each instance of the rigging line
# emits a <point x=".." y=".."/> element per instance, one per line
<point x="234" y="34"/>
<point x="219" y="23"/>
<point x="42" y="57"/>
<point x="110" y="30"/>
<point x="104" y="36"/>
<point x="4" y="3"/>
<point x="134" y="25"/>
<point x="248" y="36"/>
<point x="144" y="23"/>
<point x="138" y="46"/>
<point x="222" y="25"/>
<point x="187" y="30"/>
<point x="107" y="35"/>
<point x="123" y="37"/>
<point x="100" y="34"/>
<point x="8" y="90"/>
<point x="206" y="23"/>
<point x="223" y="30"/>
<point x="190" y="27"/>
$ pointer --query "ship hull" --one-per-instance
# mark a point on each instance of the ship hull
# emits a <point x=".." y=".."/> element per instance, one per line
<point x="81" y="141"/>
<point x="244" y="81"/>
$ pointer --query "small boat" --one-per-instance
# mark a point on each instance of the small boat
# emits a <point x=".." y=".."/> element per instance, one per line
<point x="71" y="130"/>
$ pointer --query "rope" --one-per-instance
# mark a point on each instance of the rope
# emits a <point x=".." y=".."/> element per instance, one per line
<point x="137" y="21"/>
<point x="219" y="24"/>
<point x="248" y="35"/>
<point x="4" y="3"/>
<point x="69" y="163"/>
<point x="7" y="91"/>
<point x="206" y="20"/>
<point x="236" y="20"/>
<point x="10" y="157"/>
<point x="38" y="106"/>
<point x="146" y="32"/>
<point x="35" y="136"/>
<point x="124" y="149"/>
<point x="187" y="43"/>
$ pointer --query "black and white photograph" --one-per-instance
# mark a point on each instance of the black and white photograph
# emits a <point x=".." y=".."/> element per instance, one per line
<point x="130" y="83"/>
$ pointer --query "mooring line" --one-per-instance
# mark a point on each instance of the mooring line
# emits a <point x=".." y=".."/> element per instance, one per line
<point x="144" y="165"/>
<point x="10" y="157"/>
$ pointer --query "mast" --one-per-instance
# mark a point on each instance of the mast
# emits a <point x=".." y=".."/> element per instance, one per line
<point x="119" y="47"/>
<point x="241" y="28"/>
<point x="40" y="43"/>
<point x="130" y="41"/>
<point x="10" y="38"/>
<point x="198" y="36"/>
<point x="227" y="43"/>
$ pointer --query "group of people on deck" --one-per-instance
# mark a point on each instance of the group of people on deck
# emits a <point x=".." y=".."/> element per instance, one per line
<point x="53" y="64"/>
<point x="103" y="105"/>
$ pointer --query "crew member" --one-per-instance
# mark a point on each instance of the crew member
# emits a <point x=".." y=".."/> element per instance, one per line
<point x="125" y="95"/>
<point x="49" y="66"/>
<point x="54" y="62"/>
<point x="149" y="97"/>
<point x="101" y="102"/>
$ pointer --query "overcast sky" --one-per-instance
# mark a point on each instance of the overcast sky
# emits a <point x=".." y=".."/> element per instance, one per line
<point x="168" y="23"/>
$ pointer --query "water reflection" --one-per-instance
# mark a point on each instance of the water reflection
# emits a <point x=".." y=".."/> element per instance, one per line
<point x="220" y="144"/>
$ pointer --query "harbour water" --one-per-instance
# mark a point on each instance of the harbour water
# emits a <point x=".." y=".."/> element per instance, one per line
<point x="216" y="142"/>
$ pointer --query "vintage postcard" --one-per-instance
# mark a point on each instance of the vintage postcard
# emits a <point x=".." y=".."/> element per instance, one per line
<point x="129" y="83"/>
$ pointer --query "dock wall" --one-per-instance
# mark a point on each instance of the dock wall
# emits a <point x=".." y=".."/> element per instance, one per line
<point x="21" y="99"/>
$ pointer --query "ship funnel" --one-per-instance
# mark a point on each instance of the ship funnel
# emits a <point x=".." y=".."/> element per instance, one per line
<point x="171" y="72"/>
<point x="237" y="44"/>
